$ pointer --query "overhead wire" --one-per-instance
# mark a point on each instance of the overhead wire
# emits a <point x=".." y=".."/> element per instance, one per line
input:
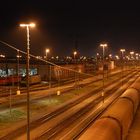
<point x="48" y="62"/>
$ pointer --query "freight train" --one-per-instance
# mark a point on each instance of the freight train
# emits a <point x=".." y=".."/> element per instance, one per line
<point x="9" y="80"/>
<point x="34" y="79"/>
<point x="12" y="80"/>
<point x="115" y="122"/>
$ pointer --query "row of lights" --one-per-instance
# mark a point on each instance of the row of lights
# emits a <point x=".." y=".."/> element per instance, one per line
<point x="2" y="56"/>
<point x="122" y="53"/>
<point x="82" y="57"/>
<point x="48" y="50"/>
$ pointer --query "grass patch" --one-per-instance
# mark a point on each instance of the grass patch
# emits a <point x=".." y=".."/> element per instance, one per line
<point x="14" y="116"/>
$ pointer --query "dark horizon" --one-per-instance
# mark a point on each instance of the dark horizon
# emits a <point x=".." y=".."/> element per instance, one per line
<point x="66" y="26"/>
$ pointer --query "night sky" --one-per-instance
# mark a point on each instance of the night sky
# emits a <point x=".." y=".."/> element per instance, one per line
<point x="65" y="26"/>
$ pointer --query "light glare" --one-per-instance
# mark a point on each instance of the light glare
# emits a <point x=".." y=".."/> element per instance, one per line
<point x="74" y="52"/>
<point x="47" y="50"/>
<point x="32" y="24"/>
<point x="122" y="50"/>
<point x="103" y="45"/>
<point x="28" y="25"/>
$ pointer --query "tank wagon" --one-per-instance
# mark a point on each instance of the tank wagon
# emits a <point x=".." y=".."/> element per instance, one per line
<point x="116" y="120"/>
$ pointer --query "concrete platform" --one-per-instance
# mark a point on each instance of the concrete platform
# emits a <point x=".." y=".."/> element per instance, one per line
<point x="134" y="132"/>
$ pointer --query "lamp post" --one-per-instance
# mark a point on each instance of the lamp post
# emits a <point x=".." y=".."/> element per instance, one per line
<point x="137" y="58"/>
<point x="18" y="66"/>
<point x="132" y="57"/>
<point x="74" y="54"/>
<point x="97" y="63"/>
<point x="18" y="56"/>
<point x="103" y="46"/>
<point x="131" y="54"/>
<point x="122" y="51"/>
<point x="47" y="51"/>
<point x="122" y="55"/>
<point x="27" y="26"/>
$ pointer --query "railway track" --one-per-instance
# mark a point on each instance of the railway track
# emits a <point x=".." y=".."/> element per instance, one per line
<point x="5" y="89"/>
<point x="43" y="86"/>
<point x="57" y="132"/>
<point x="48" y="117"/>
<point x="22" y="102"/>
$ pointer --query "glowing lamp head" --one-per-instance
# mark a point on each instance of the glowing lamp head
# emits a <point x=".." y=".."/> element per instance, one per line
<point x="117" y="57"/>
<point x="47" y="50"/>
<point x="122" y="50"/>
<point x="22" y="25"/>
<point x="32" y="25"/>
<point x="103" y="45"/>
<point x="28" y="25"/>
<point x="131" y="53"/>
<point x="74" y="52"/>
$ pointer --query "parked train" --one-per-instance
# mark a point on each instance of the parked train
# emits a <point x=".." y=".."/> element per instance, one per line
<point x="10" y="80"/>
<point x="115" y="122"/>
<point x="34" y="79"/>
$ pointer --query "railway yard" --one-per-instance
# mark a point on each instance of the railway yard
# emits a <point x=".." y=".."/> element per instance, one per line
<point x="71" y="113"/>
<point x="69" y="70"/>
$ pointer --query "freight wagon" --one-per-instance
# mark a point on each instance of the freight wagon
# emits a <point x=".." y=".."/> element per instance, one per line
<point x="34" y="79"/>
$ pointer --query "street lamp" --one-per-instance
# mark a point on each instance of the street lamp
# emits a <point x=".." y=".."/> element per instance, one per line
<point x="28" y="26"/>
<point x="122" y="51"/>
<point x="132" y="57"/>
<point x="97" y="62"/>
<point x="117" y="57"/>
<point x="137" y="55"/>
<point x="74" y="54"/>
<point x="18" y="56"/>
<point x="122" y="55"/>
<point x="47" y="51"/>
<point x="110" y="56"/>
<point x="131" y="54"/>
<point x="136" y="59"/>
<point x="103" y="46"/>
